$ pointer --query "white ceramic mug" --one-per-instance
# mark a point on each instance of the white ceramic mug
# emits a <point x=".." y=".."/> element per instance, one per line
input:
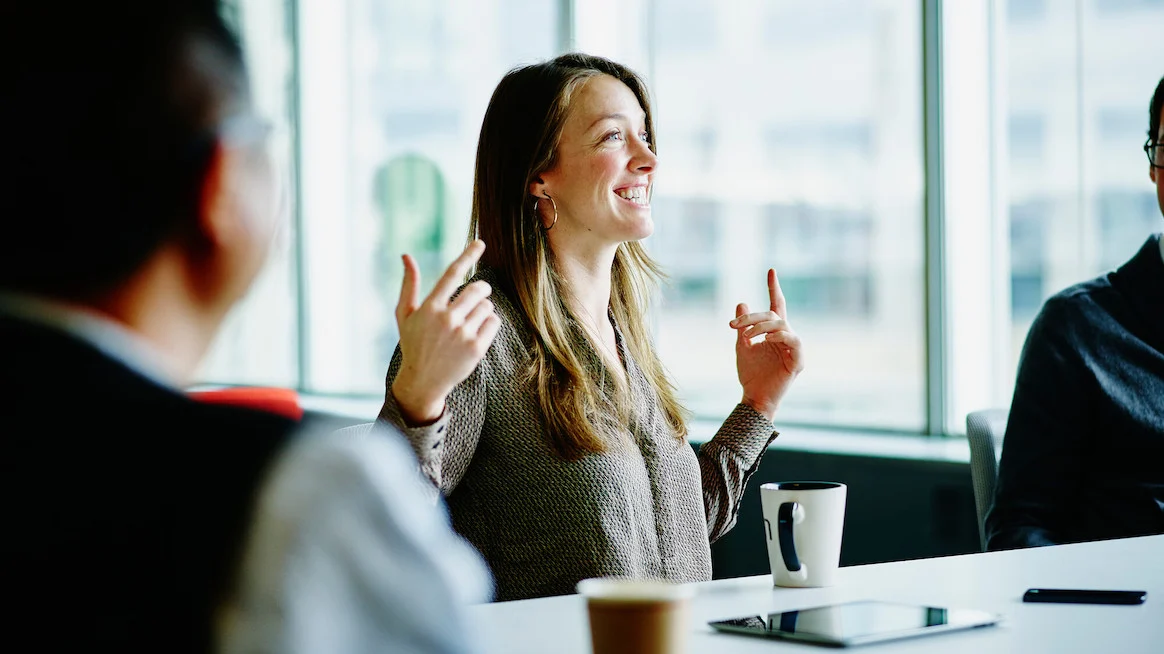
<point x="803" y="522"/>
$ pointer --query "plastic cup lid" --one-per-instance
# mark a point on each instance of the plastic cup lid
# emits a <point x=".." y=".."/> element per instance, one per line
<point x="634" y="590"/>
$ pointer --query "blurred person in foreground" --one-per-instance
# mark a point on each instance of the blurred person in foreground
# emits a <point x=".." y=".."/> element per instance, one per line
<point x="544" y="414"/>
<point x="139" y="207"/>
<point x="1083" y="456"/>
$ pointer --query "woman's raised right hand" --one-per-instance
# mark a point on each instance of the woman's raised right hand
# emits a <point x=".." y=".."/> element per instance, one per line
<point x="441" y="339"/>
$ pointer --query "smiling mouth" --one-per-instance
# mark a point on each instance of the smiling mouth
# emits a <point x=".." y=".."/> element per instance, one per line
<point x="636" y="195"/>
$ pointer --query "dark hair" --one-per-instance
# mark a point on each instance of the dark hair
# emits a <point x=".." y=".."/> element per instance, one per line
<point x="110" y="113"/>
<point x="1154" y="112"/>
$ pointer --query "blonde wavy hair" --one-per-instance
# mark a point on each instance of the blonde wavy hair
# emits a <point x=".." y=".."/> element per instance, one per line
<point x="519" y="141"/>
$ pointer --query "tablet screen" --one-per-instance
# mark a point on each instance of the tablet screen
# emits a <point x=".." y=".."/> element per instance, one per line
<point x="855" y="623"/>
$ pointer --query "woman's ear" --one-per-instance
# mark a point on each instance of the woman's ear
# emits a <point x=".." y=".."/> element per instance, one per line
<point x="537" y="187"/>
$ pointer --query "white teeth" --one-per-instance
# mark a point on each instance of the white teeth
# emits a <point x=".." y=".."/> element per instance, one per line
<point x="637" y="194"/>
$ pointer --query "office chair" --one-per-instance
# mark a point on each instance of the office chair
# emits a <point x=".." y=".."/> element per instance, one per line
<point x="281" y="401"/>
<point x="985" y="430"/>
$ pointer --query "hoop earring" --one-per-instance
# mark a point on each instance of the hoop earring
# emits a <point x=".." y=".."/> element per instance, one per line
<point x="552" y="204"/>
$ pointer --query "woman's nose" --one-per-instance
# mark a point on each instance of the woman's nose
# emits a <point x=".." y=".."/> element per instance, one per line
<point x="644" y="159"/>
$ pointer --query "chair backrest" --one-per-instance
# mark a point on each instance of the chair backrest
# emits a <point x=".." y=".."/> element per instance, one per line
<point x="985" y="430"/>
<point x="282" y="401"/>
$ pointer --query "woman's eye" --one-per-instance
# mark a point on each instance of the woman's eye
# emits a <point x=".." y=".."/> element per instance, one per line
<point x="646" y="138"/>
<point x="614" y="136"/>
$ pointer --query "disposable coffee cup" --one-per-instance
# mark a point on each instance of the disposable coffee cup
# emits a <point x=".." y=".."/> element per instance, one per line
<point x="803" y="524"/>
<point x="637" y="616"/>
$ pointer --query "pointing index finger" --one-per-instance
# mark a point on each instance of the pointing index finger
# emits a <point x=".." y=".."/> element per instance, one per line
<point x="409" y="288"/>
<point x="779" y="307"/>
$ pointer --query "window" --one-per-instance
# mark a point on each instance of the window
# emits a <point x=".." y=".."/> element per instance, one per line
<point x="828" y="251"/>
<point x="1044" y="178"/>
<point x="259" y="342"/>
<point x="1024" y="10"/>
<point x="686" y="24"/>
<point x="680" y="245"/>
<point x="1116" y="7"/>
<point x="1026" y="254"/>
<point x="1116" y="125"/>
<point x="393" y="93"/>
<point x="1125" y="219"/>
<point x="800" y="150"/>
<point x="790" y="136"/>
<point x="1085" y="205"/>
<point x="1027" y="136"/>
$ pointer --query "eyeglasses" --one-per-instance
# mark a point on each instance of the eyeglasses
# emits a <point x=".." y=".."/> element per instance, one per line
<point x="1155" y="152"/>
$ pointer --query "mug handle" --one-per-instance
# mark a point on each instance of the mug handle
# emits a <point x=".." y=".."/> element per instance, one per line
<point x="790" y="513"/>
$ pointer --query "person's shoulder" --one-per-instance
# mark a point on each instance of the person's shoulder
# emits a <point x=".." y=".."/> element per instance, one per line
<point x="245" y="427"/>
<point x="1067" y="325"/>
<point x="241" y="442"/>
<point x="35" y="352"/>
<point x="1110" y="304"/>
<point x="366" y="480"/>
<point x="372" y="457"/>
<point x="1077" y="303"/>
<point x="1084" y="292"/>
<point x="346" y="446"/>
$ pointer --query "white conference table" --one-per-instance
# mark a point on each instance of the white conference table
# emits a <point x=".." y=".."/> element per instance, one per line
<point x="992" y="581"/>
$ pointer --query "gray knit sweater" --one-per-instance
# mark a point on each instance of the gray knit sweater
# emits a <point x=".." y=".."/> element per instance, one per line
<point x="648" y="509"/>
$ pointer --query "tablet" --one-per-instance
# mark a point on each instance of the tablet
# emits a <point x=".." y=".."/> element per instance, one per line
<point x="857" y="623"/>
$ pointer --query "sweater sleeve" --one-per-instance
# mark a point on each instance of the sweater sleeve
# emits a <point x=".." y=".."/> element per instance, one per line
<point x="727" y="461"/>
<point x="445" y="447"/>
<point x="1043" y="455"/>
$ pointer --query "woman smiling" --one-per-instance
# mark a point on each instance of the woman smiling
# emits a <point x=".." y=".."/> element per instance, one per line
<point x="533" y="396"/>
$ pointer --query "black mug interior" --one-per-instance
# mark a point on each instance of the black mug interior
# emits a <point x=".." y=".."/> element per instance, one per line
<point x="807" y="485"/>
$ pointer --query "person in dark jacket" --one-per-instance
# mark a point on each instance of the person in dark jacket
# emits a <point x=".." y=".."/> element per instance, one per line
<point x="139" y="206"/>
<point x="1083" y="456"/>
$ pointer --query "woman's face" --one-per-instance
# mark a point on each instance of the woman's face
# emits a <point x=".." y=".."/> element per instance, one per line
<point x="601" y="182"/>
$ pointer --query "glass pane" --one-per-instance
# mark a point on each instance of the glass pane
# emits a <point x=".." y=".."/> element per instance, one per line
<point x="393" y="96"/>
<point x="1080" y="76"/>
<point x="790" y="136"/>
<point x="257" y="344"/>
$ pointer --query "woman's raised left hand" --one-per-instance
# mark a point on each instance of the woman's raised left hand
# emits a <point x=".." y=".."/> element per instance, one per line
<point x="767" y="366"/>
